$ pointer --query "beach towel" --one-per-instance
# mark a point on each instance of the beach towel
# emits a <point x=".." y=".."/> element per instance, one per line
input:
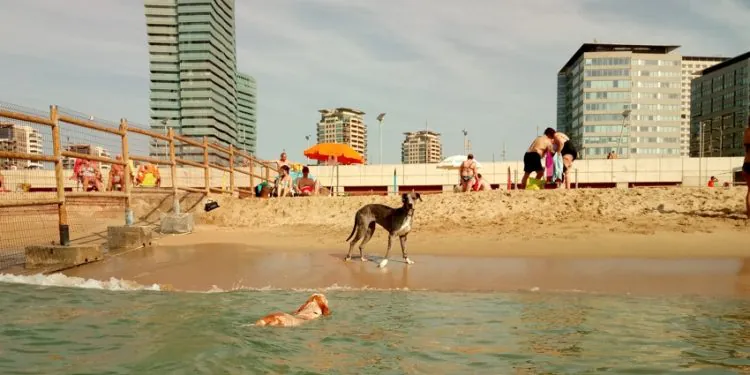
<point x="550" y="165"/>
<point x="558" y="167"/>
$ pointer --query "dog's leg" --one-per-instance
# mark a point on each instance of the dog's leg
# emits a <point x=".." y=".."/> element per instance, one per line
<point x="403" y="250"/>
<point x="368" y="236"/>
<point x="384" y="262"/>
<point x="353" y="242"/>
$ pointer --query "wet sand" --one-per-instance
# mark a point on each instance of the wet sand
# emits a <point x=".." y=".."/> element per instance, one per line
<point x="215" y="259"/>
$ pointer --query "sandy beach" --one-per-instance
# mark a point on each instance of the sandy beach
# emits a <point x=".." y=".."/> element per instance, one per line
<point x="637" y="240"/>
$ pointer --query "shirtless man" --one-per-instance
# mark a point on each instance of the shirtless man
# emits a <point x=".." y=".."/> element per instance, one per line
<point x="532" y="159"/>
<point x="562" y="144"/>
<point x="746" y="165"/>
<point x="467" y="171"/>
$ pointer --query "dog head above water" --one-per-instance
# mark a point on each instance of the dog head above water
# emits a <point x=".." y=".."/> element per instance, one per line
<point x="317" y="304"/>
<point x="410" y="198"/>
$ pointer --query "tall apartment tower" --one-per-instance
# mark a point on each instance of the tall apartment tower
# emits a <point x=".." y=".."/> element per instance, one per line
<point x="421" y="147"/>
<point x="720" y="108"/>
<point x="343" y="125"/>
<point x="246" y="120"/>
<point x="691" y="69"/>
<point x="194" y="72"/>
<point x="609" y="90"/>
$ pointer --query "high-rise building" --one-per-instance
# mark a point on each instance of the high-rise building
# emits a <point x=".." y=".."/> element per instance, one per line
<point x="343" y="125"/>
<point x="421" y="147"/>
<point x="23" y="139"/>
<point x="622" y="98"/>
<point x="720" y="108"/>
<point x="691" y="69"/>
<point x="194" y="75"/>
<point x="246" y="102"/>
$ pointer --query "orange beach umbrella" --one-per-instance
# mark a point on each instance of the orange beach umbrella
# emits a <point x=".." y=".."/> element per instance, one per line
<point x="341" y="153"/>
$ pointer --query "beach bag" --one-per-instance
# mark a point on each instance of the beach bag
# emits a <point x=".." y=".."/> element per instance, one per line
<point x="534" y="184"/>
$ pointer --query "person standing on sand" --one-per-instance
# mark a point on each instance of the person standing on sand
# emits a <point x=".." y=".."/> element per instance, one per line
<point x="746" y="165"/>
<point x="564" y="146"/>
<point x="532" y="159"/>
<point x="467" y="171"/>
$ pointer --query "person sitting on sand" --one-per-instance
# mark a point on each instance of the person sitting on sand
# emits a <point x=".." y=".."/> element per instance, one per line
<point x="284" y="182"/>
<point x="305" y="185"/>
<point x="746" y="165"/>
<point x="482" y="184"/>
<point x="532" y="159"/>
<point x="467" y="171"/>
<point x="91" y="178"/>
<point x="116" y="176"/>
<point x="712" y="181"/>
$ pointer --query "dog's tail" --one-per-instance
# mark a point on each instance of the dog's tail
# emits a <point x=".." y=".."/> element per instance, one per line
<point x="356" y="221"/>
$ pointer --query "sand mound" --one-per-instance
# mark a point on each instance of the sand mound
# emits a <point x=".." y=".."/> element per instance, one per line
<point x="628" y="210"/>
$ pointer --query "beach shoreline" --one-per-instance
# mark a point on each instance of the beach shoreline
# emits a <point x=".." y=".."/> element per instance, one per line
<point x="213" y="259"/>
<point x="458" y="241"/>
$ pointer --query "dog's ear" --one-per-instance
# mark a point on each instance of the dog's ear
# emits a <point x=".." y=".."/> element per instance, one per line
<point x="419" y="196"/>
<point x="403" y="196"/>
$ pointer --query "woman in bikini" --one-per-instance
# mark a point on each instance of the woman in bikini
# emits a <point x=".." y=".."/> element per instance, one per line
<point x="284" y="182"/>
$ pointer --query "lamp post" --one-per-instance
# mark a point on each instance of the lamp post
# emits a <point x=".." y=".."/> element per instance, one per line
<point x="380" y="135"/>
<point x="625" y="115"/>
<point x="164" y="122"/>
<point x="466" y="141"/>
<point x="307" y="137"/>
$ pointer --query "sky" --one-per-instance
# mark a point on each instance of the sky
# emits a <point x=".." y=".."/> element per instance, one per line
<point x="486" y="66"/>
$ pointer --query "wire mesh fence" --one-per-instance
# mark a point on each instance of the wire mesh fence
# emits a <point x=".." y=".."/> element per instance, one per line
<point x="65" y="175"/>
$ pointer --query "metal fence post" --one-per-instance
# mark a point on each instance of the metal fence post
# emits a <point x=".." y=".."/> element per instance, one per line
<point x="231" y="170"/>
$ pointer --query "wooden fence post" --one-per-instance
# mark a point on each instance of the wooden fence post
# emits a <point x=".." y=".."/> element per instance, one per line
<point x="251" y="168"/>
<point x="206" y="174"/>
<point x="231" y="170"/>
<point x="173" y="171"/>
<point x="62" y="210"/>
<point x="268" y="173"/>
<point x="127" y="183"/>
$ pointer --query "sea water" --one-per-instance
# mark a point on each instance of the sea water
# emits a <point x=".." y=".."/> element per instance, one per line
<point x="63" y="325"/>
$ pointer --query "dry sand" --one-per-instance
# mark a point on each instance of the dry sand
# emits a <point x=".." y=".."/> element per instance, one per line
<point x="479" y="241"/>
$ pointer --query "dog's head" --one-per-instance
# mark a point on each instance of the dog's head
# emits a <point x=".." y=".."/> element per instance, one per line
<point x="317" y="303"/>
<point x="410" y="198"/>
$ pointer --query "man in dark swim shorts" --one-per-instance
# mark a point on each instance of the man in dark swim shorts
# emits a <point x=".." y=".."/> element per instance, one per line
<point x="532" y="159"/>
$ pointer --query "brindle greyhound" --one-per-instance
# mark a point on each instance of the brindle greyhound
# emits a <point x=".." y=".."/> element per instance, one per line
<point x="397" y="221"/>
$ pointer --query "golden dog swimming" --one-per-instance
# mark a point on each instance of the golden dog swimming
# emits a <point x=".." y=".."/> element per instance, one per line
<point x="313" y="308"/>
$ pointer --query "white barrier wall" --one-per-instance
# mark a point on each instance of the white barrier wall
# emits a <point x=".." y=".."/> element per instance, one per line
<point x="688" y="171"/>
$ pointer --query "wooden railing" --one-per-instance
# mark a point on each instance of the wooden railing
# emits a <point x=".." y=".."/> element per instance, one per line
<point x="239" y="163"/>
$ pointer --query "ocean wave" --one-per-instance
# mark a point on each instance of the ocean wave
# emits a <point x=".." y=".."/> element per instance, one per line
<point x="331" y="288"/>
<point x="60" y="280"/>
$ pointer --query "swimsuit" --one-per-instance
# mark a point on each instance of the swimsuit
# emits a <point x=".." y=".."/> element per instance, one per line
<point x="532" y="162"/>
<point x="306" y="189"/>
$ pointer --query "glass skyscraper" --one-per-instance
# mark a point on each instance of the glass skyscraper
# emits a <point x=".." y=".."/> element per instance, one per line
<point x="195" y="86"/>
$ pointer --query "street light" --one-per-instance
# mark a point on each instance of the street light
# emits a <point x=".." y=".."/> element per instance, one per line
<point x="466" y="141"/>
<point x="625" y="115"/>
<point x="307" y="137"/>
<point x="164" y="122"/>
<point x="380" y="134"/>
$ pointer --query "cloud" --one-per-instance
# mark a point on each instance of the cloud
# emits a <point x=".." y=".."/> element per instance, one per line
<point x="487" y="66"/>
